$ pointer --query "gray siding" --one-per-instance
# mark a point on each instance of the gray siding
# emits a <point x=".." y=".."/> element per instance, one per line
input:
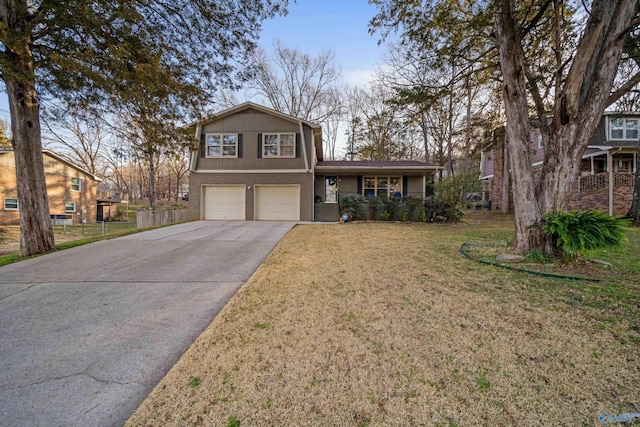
<point x="487" y="165"/>
<point x="415" y="186"/>
<point x="250" y="123"/>
<point x="347" y="184"/>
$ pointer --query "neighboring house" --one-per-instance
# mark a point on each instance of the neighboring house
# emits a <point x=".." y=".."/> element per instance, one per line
<point x="107" y="200"/>
<point x="256" y="163"/>
<point x="71" y="190"/>
<point x="607" y="169"/>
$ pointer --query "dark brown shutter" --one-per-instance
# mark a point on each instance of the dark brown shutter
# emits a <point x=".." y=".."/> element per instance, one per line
<point x="202" y="147"/>
<point x="359" y="184"/>
<point x="259" y="145"/>
<point x="297" y="145"/>
<point x="405" y="185"/>
<point x="239" y="152"/>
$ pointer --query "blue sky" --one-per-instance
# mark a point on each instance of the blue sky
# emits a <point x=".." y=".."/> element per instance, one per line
<point x="312" y="26"/>
<point x="337" y="25"/>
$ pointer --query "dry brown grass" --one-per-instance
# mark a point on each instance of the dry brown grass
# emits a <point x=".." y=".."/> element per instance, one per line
<point x="10" y="238"/>
<point x="386" y="324"/>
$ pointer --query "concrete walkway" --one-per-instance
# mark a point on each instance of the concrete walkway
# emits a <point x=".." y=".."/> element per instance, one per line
<point x="86" y="333"/>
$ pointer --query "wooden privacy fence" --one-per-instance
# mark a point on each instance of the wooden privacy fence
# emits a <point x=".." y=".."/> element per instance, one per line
<point x="154" y="219"/>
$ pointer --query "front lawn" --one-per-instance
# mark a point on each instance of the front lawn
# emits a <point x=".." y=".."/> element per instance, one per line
<point x="387" y="324"/>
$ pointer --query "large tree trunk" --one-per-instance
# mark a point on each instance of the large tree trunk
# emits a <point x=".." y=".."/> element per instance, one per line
<point x="36" y="234"/>
<point x="585" y="95"/>
<point x="529" y="234"/>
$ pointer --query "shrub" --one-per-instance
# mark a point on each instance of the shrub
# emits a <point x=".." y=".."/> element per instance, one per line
<point x="351" y="205"/>
<point x="438" y="211"/>
<point x="422" y="216"/>
<point x="391" y="206"/>
<point x="575" y="232"/>
<point x="451" y="191"/>
<point x="412" y="203"/>
<point x="405" y="216"/>
<point x="384" y="216"/>
<point x="373" y="207"/>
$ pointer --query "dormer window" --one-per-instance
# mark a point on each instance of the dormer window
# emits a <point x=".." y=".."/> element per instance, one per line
<point x="623" y="129"/>
<point x="221" y="145"/>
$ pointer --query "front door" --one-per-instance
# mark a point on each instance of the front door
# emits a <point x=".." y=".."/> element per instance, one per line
<point x="331" y="189"/>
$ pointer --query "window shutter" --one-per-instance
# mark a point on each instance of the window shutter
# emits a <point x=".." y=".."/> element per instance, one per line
<point x="259" y="145"/>
<point x="239" y="152"/>
<point x="297" y="145"/>
<point x="405" y="185"/>
<point x="202" y="147"/>
<point x="359" y="184"/>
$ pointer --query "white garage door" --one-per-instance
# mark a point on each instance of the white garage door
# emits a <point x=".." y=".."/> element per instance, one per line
<point x="224" y="202"/>
<point x="277" y="202"/>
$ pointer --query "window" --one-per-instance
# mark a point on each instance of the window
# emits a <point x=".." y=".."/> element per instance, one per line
<point x="76" y="184"/>
<point x="10" y="204"/>
<point x="278" y="145"/>
<point x="69" y="206"/>
<point x="382" y="186"/>
<point x="222" y="145"/>
<point x="620" y="128"/>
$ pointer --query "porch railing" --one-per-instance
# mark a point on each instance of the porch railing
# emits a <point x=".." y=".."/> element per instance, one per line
<point x="601" y="180"/>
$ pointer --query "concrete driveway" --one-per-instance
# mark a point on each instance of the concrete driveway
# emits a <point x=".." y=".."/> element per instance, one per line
<point x="86" y="333"/>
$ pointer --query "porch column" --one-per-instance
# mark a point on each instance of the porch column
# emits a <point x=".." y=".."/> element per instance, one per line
<point x="610" y="171"/>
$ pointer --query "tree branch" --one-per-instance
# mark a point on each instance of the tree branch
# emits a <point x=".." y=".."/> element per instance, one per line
<point x="622" y="90"/>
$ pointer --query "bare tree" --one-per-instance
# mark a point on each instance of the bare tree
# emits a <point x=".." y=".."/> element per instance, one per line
<point x="379" y="129"/>
<point x="297" y="84"/>
<point x="5" y="140"/>
<point x="178" y="164"/>
<point x="82" y="135"/>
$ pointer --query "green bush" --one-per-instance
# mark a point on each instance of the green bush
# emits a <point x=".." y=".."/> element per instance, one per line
<point x="451" y="191"/>
<point x="390" y="206"/>
<point x="411" y="203"/>
<point x="384" y="216"/>
<point x="373" y="207"/>
<point x="436" y="210"/>
<point x="575" y="232"/>
<point x="351" y="205"/>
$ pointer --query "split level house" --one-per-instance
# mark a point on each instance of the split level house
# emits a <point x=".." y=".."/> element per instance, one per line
<point x="607" y="168"/>
<point x="72" y="191"/>
<point x="255" y="163"/>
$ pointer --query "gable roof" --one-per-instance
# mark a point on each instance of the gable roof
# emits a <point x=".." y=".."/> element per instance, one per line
<point x="63" y="159"/>
<point x="69" y="163"/>
<point x="261" y="108"/>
